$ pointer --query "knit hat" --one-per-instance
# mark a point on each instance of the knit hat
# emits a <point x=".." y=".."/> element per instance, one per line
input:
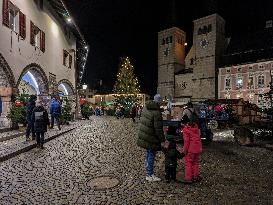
<point x="157" y="98"/>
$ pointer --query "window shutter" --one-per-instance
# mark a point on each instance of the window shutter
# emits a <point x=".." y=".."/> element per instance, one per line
<point x="64" y="57"/>
<point x="32" y="35"/>
<point x="22" y="23"/>
<point x="42" y="41"/>
<point x="6" y="13"/>
<point x="70" y="61"/>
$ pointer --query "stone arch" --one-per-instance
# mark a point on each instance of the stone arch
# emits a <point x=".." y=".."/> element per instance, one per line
<point x="68" y="86"/>
<point x="39" y="75"/>
<point x="7" y="85"/>
<point x="6" y="75"/>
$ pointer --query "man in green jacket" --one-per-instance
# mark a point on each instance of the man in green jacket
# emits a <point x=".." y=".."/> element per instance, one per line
<point x="150" y="135"/>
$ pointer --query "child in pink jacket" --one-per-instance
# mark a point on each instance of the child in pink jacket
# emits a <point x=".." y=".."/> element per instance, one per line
<point x="192" y="149"/>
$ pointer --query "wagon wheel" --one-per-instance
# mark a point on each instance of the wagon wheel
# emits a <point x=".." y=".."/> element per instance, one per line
<point x="213" y="124"/>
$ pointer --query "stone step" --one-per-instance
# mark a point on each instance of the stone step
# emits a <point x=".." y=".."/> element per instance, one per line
<point x="5" y="136"/>
<point x="17" y="145"/>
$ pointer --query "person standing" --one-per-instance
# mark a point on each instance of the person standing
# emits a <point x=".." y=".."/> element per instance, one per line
<point x="28" y="109"/>
<point x="41" y="121"/>
<point x="192" y="149"/>
<point x="133" y="113"/>
<point x="55" y="112"/>
<point x="150" y="135"/>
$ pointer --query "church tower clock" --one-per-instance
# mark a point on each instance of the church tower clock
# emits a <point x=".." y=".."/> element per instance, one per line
<point x="171" y="59"/>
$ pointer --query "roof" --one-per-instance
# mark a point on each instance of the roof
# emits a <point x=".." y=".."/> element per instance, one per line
<point x="249" y="47"/>
<point x="82" y="48"/>
<point x="63" y="12"/>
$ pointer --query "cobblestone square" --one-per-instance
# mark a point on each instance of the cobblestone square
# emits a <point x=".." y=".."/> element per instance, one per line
<point x="72" y="167"/>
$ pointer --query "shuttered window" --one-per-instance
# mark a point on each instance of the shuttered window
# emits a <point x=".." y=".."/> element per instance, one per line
<point x="42" y="41"/>
<point x="70" y="61"/>
<point x="32" y="33"/>
<point x="65" y="56"/>
<point x="22" y="25"/>
<point x="5" y="12"/>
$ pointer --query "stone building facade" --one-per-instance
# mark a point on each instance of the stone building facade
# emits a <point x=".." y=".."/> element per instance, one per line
<point x="246" y="81"/>
<point x="195" y="78"/>
<point x="36" y="42"/>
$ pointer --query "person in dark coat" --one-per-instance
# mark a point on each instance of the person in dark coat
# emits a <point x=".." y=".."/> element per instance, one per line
<point x="171" y="155"/>
<point x="55" y="112"/>
<point x="28" y="109"/>
<point x="133" y="113"/>
<point x="150" y="135"/>
<point x="41" y="121"/>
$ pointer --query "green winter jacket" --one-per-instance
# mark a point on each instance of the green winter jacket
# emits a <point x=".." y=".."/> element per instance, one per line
<point x="150" y="133"/>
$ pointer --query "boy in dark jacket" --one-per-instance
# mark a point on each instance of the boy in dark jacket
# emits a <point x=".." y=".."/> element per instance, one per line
<point x="41" y="121"/>
<point x="171" y="155"/>
<point x="28" y="109"/>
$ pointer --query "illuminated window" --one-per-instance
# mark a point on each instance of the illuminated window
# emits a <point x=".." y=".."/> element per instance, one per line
<point x="227" y="96"/>
<point x="13" y="18"/>
<point x="251" y="97"/>
<point x="238" y="95"/>
<point x="250" y="82"/>
<point x="239" y="82"/>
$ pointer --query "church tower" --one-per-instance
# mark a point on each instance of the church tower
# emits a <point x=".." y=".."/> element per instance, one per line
<point x="208" y="46"/>
<point x="171" y="59"/>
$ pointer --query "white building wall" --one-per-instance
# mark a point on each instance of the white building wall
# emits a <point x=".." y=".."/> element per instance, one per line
<point x="19" y="53"/>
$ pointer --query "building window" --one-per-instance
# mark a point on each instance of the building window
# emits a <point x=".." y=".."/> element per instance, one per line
<point x="251" y="97"/>
<point x="67" y="59"/>
<point x="227" y="96"/>
<point x="239" y="82"/>
<point x="250" y="68"/>
<point x="227" y="83"/>
<point x="37" y="37"/>
<point x="238" y="95"/>
<point x="228" y="70"/>
<point x="260" y="81"/>
<point x="263" y="101"/>
<point x="250" y="82"/>
<point x="261" y="67"/>
<point x="13" y="19"/>
<point x="239" y="69"/>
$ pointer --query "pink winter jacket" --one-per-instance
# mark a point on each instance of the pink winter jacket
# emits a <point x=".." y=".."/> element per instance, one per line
<point x="192" y="140"/>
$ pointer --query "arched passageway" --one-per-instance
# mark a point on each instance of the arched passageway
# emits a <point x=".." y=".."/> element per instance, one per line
<point x="65" y="88"/>
<point x="7" y="84"/>
<point x="33" y="81"/>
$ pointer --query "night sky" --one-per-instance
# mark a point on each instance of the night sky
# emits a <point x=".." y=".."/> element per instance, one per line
<point x="116" y="28"/>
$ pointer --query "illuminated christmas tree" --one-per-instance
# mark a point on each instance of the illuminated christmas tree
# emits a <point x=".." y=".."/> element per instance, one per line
<point x="126" y="87"/>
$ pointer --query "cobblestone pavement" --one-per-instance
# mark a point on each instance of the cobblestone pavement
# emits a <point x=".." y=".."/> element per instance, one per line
<point x="66" y="171"/>
<point x="17" y="144"/>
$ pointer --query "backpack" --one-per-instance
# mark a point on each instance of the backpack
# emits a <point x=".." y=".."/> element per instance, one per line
<point x="190" y="119"/>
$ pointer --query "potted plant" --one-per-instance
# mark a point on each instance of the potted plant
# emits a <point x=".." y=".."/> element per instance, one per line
<point x="16" y="116"/>
<point x="66" y="114"/>
<point x="86" y="111"/>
